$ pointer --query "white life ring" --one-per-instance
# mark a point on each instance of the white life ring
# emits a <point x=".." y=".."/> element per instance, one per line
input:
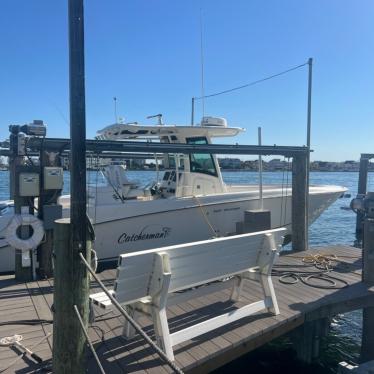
<point x="19" y="220"/>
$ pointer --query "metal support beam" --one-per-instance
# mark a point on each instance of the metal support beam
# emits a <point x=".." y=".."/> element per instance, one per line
<point x="98" y="146"/>
<point x="46" y="198"/>
<point x="309" y="127"/>
<point x="192" y="111"/>
<point x="299" y="203"/>
<point x="21" y="205"/>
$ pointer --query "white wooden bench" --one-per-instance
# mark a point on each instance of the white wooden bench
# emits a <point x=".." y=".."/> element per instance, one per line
<point x="148" y="281"/>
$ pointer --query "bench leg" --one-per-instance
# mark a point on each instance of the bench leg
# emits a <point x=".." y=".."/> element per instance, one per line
<point x="237" y="289"/>
<point x="128" y="331"/>
<point x="91" y="315"/>
<point x="162" y="333"/>
<point x="268" y="288"/>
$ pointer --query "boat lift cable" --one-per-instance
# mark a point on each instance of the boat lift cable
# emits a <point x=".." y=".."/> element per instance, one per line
<point x="132" y="322"/>
<point x="251" y="83"/>
<point x="88" y="340"/>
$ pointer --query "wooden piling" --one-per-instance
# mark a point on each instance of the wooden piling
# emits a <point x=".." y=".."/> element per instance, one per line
<point x="307" y="338"/>
<point x="71" y="276"/>
<point x="368" y="251"/>
<point x="367" y="342"/>
<point x="71" y="287"/>
<point x="362" y="186"/>
<point x="299" y="203"/>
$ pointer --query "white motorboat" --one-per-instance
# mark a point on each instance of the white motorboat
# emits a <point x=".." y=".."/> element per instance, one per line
<point x="189" y="202"/>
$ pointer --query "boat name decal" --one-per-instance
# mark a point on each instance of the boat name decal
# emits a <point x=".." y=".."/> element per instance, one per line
<point x="146" y="233"/>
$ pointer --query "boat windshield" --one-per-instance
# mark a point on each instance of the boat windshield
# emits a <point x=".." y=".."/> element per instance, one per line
<point x="201" y="162"/>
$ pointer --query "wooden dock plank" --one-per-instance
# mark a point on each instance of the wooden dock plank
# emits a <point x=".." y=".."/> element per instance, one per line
<point x="297" y="302"/>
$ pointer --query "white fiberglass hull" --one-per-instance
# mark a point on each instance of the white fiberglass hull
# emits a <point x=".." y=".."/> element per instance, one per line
<point x="196" y="219"/>
<point x="137" y="225"/>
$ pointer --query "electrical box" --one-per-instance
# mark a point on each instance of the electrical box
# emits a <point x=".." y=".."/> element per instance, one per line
<point x="21" y="151"/>
<point x="28" y="184"/>
<point x="53" y="178"/>
<point x="50" y="214"/>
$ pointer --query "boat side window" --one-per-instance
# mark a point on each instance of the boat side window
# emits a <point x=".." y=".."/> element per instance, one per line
<point x="201" y="162"/>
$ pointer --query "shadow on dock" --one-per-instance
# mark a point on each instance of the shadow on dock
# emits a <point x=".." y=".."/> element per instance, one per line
<point x="299" y="303"/>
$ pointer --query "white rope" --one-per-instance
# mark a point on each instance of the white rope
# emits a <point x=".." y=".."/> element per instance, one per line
<point x="203" y="213"/>
<point x="20" y="357"/>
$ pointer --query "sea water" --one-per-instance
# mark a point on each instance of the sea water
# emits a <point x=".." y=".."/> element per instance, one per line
<point x="334" y="226"/>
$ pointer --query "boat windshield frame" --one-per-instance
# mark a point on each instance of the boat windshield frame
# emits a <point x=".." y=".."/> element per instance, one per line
<point x="197" y="167"/>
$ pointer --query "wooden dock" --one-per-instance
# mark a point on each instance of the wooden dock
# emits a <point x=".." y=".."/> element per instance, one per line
<point x="298" y="303"/>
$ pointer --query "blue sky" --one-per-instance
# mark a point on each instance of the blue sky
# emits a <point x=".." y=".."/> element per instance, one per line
<point x="147" y="54"/>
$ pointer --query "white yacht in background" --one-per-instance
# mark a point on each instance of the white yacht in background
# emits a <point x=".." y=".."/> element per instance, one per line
<point x="189" y="202"/>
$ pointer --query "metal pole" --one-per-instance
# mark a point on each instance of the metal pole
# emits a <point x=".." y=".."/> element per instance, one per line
<point x="260" y="171"/>
<point x="299" y="207"/>
<point x="309" y="125"/>
<point x="115" y="110"/>
<point x="22" y="272"/>
<point x="71" y="276"/>
<point x="192" y="111"/>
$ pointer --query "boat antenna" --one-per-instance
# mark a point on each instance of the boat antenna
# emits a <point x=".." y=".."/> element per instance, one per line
<point x="202" y="62"/>
<point x="115" y="109"/>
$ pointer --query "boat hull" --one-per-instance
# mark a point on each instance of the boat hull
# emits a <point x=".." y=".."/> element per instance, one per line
<point x="162" y="223"/>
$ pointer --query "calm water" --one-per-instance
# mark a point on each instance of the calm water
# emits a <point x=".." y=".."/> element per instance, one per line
<point x="335" y="226"/>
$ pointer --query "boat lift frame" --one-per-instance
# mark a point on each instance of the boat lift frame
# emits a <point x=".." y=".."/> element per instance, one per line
<point x="129" y="149"/>
<point x="361" y="191"/>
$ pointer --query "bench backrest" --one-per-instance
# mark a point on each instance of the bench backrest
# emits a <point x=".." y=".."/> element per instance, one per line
<point x="190" y="264"/>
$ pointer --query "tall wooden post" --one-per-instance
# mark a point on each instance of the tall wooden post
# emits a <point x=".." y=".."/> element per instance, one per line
<point x="299" y="203"/>
<point x="362" y="186"/>
<point x="367" y="345"/>
<point x="367" y="342"/>
<point x="70" y="288"/>
<point x="71" y="276"/>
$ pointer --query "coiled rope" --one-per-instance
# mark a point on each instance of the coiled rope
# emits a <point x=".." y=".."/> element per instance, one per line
<point x="322" y="262"/>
